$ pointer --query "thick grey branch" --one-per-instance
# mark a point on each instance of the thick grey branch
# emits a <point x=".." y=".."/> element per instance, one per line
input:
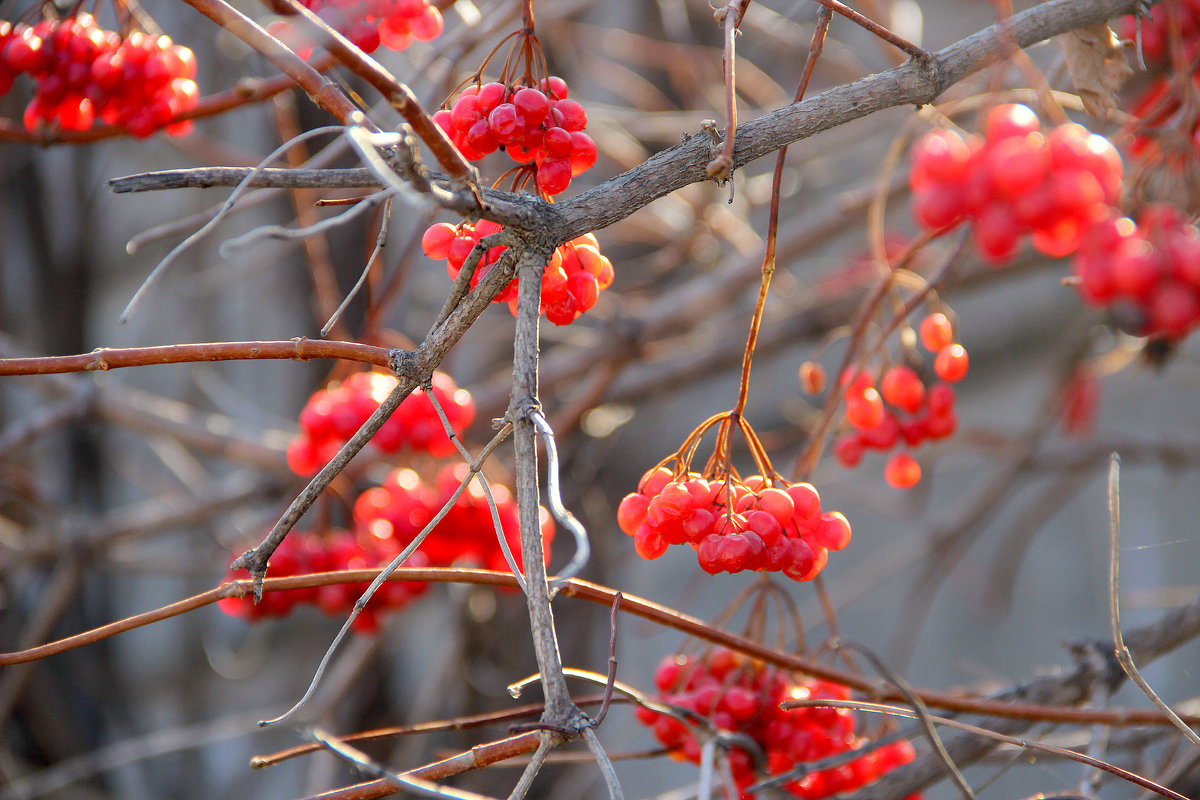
<point x="915" y="83"/>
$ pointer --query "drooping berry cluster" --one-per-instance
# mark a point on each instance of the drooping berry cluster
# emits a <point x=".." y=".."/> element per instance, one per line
<point x="538" y="125"/>
<point x="1147" y="272"/>
<point x="742" y="696"/>
<point x="902" y="409"/>
<point x="391" y="516"/>
<point x="756" y="524"/>
<point x="306" y="553"/>
<point x="571" y="283"/>
<point x="335" y="413"/>
<point x="83" y="73"/>
<point x="1015" y="180"/>
<point x="368" y="23"/>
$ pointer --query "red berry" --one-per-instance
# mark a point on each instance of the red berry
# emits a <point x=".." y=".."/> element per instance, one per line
<point x="951" y="363"/>
<point x="902" y="471"/>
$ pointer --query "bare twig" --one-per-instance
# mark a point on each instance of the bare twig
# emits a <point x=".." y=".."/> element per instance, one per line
<point x="1029" y="744"/>
<point x="583" y="548"/>
<point x="1114" y="604"/>
<point x="212" y="223"/>
<point x="386" y="573"/>
<point x="406" y="781"/>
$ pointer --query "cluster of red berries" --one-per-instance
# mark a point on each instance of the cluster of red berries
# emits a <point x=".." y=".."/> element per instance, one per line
<point x="368" y="23"/>
<point x="305" y="553"/>
<point x="1148" y="272"/>
<point x="571" y="283"/>
<point x="738" y="695"/>
<point x="335" y="413"/>
<point x="1155" y="29"/>
<point x="1016" y="180"/>
<point x="733" y="525"/>
<point x="902" y="408"/>
<point x="391" y="516"/>
<point x="537" y="125"/>
<point x="84" y="73"/>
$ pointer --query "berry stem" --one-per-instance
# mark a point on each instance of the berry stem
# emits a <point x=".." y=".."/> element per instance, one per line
<point x="768" y="266"/>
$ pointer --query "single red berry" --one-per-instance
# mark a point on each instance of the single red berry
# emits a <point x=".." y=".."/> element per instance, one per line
<point x="951" y="363"/>
<point x="902" y="471"/>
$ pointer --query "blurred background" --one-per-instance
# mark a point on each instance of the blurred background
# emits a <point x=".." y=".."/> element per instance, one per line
<point x="127" y="490"/>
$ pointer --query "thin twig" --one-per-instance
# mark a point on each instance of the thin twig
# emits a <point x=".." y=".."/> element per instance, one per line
<point x="1122" y="652"/>
<point x="583" y="548"/>
<point x="212" y="223"/>
<point x="386" y="573"/>
<point x="921" y="713"/>
<point x="611" y="781"/>
<point x="372" y="260"/>
<point x="365" y="763"/>
<point x="525" y="782"/>
<point x="1029" y="744"/>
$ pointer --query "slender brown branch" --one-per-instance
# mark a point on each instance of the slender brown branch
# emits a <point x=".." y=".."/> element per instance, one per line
<point x="106" y="358"/>
<point x="399" y="96"/>
<point x="324" y="93"/>
<point x="1152" y="640"/>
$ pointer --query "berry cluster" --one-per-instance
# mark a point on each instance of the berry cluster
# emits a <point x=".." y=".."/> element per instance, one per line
<point x="83" y="73"/>
<point x="391" y="516"/>
<point x="1155" y="29"/>
<point x="1148" y="272"/>
<point x="1016" y="180"/>
<point x="305" y="553"/>
<point x="334" y="414"/>
<point x="902" y="408"/>
<point x="538" y="125"/>
<point x="738" y="695"/>
<point x="368" y="23"/>
<point x="757" y="524"/>
<point x="571" y="283"/>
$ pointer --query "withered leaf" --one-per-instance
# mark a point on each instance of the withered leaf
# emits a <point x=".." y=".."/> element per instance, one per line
<point x="1097" y="66"/>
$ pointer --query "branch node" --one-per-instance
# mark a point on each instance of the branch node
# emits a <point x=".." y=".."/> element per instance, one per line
<point x="404" y="363"/>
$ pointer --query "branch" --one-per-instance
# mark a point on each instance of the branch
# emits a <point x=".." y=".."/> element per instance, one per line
<point x="1148" y="642"/>
<point x="105" y="358"/>
<point x="275" y="178"/>
<point x="914" y="83"/>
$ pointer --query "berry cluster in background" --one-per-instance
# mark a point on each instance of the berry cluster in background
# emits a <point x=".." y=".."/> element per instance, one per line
<point x="335" y="413"/>
<point x="1013" y="181"/>
<point x="1147" y="272"/>
<point x="84" y="74"/>
<point x="392" y="514"/>
<point x="572" y="281"/>
<point x="903" y="408"/>
<point x="395" y="24"/>
<point x="741" y="696"/>
<point x="734" y="525"/>
<point x="304" y="553"/>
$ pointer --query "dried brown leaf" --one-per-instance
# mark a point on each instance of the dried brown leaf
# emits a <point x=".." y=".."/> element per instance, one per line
<point x="1097" y="66"/>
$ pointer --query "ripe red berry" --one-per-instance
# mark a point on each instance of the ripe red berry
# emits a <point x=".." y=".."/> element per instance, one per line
<point x="902" y="471"/>
<point x="951" y="363"/>
<point x="936" y="332"/>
